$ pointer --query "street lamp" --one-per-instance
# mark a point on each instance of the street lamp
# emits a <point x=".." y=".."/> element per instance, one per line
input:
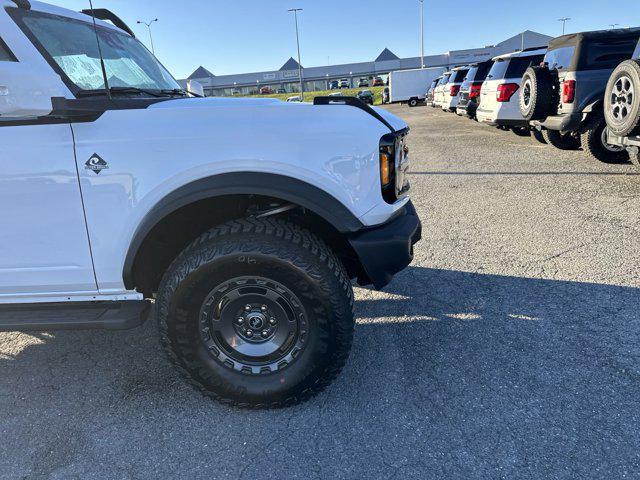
<point x="564" y="22"/>
<point x="148" y="24"/>
<point x="422" y="33"/>
<point x="295" y="13"/>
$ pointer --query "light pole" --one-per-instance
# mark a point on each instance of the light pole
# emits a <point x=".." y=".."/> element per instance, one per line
<point x="422" y="33"/>
<point x="614" y="25"/>
<point x="148" y="24"/>
<point x="564" y="22"/>
<point x="295" y="13"/>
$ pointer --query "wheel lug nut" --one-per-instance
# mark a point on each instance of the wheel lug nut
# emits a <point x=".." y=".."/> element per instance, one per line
<point x="247" y="307"/>
<point x="240" y="320"/>
<point x="272" y="321"/>
<point x="265" y="333"/>
<point x="249" y="333"/>
<point x="264" y="308"/>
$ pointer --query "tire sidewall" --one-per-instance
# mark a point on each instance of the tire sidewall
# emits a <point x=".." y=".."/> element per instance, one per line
<point x="529" y="80"/>
<point x="593" y="142"/>
<point x="198" y="273"/>
<point x="631" y="69"/>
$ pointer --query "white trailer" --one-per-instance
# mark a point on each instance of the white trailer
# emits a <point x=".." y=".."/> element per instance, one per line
<point x="410" y="86"/>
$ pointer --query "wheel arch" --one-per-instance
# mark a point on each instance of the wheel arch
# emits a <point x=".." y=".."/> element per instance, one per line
<point x="234" y="186"/>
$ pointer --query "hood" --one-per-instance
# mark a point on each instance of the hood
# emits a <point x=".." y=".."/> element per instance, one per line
<point x="209" y="102"/>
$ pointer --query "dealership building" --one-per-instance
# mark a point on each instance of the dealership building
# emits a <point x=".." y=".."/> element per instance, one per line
<point x="286" y="79"/>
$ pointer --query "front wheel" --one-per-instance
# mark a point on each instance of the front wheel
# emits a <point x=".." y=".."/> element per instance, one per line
<point x="594" y="142"/>
<point x="413" y="102"/>
<point x="257" y="314"/>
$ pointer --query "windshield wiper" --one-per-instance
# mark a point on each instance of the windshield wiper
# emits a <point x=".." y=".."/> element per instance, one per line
<point x="121" y="90"/>
<point x="175" y="91"/>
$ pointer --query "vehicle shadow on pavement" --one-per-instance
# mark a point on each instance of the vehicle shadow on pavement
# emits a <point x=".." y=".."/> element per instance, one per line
<point x="452" y="374"/>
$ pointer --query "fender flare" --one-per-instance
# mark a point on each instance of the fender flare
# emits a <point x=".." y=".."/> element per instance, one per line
<point x="242" y="183"/>
<point x="593" y="105"/>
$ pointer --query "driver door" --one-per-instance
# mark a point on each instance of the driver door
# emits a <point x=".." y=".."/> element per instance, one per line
<point x="44" y="247"/>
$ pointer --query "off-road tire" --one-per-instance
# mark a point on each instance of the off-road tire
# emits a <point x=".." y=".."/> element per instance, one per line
<point x="560" y="141"/>
<point x="538" y="136"/>
<point x="634" y="156"/>
<point x="622" y="99"/>
<point x="593" y="144"/>
<point x="537" y="94"/>
<point x="273" y="250"/>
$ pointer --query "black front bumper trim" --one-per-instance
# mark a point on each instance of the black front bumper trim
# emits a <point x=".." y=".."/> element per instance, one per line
<point x="387" y="249"/>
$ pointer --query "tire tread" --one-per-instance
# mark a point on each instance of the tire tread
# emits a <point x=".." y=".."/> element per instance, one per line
<point x="204" y="250"/>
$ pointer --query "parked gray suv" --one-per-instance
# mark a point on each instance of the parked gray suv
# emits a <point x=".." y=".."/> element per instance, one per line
<point x="564" y="97"/>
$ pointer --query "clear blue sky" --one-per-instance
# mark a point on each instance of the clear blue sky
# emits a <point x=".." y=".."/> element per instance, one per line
<point x="235" y="36"/>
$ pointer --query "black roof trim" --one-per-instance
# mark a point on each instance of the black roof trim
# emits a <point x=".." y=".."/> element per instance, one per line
<point x="104" y="14"/>
<point x="533" y="49"/>
<point x="574" y="39"/>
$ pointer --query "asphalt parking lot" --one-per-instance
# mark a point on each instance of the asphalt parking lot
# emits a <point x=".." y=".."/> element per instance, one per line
<point x="510" y="349"/>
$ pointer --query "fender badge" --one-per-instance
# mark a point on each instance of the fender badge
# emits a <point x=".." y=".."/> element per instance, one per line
<point x="96" y="164"/>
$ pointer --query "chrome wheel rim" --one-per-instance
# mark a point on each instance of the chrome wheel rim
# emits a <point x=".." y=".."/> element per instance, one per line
<point x="622" y="98"/>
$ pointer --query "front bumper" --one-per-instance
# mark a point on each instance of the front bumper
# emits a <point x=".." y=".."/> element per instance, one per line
<point x="387" y="249"/>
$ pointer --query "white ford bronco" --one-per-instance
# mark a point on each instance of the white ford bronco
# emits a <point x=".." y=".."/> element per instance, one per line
<point x="241" y="221"/>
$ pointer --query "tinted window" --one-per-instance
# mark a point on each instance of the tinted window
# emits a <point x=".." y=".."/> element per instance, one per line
<point x="607" y="53"/>
<point x="478" y="73"/>
<point x="445" y="79"/>
<point x="560" y="58"/>
<point x="498" y="69"/>
<point x="518" y="65"/>
<point x="5" y="53"/>
<point x="458" y="76"/>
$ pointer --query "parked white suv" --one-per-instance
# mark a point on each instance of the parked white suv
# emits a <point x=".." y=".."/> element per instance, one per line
<point x="499" y="105"/>
<point x="439" y="92"/>
<point x="451" y="94"/>
<point x="244" y="219"/>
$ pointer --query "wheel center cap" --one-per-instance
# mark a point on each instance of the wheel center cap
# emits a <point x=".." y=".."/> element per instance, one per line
<point x="256" y="320"/>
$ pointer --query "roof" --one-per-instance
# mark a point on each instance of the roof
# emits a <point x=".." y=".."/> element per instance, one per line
<point x="291" y="64"/>
<point x="201" y="72"/>
<point x="526" y="53"/>
<point x="386" y="55"/>
<point x="575" y="39"/>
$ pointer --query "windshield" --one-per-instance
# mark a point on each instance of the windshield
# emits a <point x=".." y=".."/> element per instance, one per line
<point x="72" y="45"/>
<point x="445" y="79"/>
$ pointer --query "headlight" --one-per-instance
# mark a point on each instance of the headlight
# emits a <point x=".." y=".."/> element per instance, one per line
<point x="394" y="164"/>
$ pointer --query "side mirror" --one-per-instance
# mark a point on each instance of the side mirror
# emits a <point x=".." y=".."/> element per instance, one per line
<point x="196" y="87"/>
<point x="26" y="90"/>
